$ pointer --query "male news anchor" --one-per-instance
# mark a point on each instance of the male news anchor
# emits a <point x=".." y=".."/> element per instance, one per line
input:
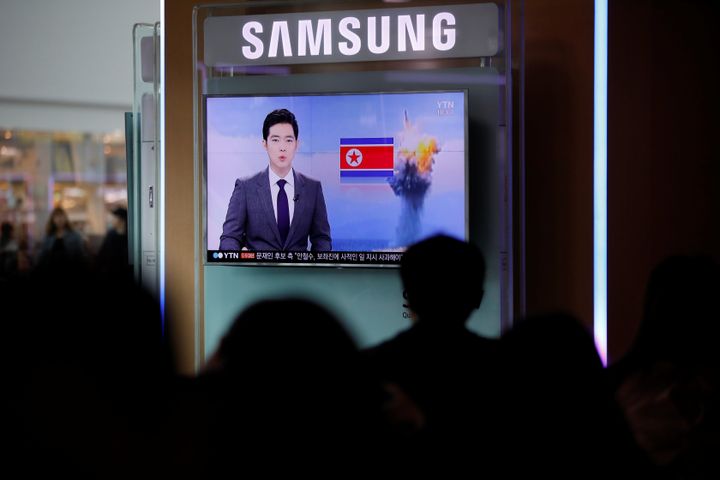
<point x="277" y="209"/>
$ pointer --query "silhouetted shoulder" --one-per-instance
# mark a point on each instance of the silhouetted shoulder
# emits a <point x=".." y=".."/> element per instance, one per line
<point x="424" y="336"/>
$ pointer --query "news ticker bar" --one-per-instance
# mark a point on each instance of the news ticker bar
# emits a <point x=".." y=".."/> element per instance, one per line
<point x="330" y="258"/>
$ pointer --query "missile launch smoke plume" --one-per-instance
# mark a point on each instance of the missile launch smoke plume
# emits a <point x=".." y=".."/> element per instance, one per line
<point x="412" y="179"/>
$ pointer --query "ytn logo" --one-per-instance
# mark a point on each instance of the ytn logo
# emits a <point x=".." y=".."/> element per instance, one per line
<point x="445" y="107"/>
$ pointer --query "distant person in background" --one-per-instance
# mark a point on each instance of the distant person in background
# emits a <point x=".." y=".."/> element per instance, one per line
<point x="9" y="250"/>
<point x="444" y="368"/>
<point x="63" y="246"/>
<point x="113" y="254"/>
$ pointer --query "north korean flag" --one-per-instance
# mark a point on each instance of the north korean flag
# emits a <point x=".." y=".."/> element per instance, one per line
<point x="366" y="158"/>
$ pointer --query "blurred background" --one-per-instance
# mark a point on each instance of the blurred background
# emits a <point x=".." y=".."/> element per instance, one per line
<point x="66" y="80"/>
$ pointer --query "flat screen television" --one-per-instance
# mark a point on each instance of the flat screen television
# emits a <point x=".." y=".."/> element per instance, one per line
<point x="391" y="166"/>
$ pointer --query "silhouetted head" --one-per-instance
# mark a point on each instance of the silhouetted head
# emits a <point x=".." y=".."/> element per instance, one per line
<point x="119" y="219"/>
<point x="681" y="320"/>
<point x="292" y="338"/>
<point x="289" y="381"/>
<point x="121" y="213"/>
<point x="556" y="397"/>
<point x="443" y="278"/>
<point x="6" y="232"/>
<point x="111" y="336"/>
<point x="553" y="346"/>
<point x="58" y="220"/>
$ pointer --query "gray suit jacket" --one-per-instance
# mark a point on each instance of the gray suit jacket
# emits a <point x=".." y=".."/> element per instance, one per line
<point x="250" y="220"/>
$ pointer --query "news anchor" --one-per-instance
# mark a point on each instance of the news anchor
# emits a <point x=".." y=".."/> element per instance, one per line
<point x="277" y="209"/>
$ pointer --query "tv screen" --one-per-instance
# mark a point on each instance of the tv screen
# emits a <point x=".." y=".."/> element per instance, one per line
<point x="362" y="176"/>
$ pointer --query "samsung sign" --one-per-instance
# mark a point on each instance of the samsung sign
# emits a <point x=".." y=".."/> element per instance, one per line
<point x="353" y="35"/>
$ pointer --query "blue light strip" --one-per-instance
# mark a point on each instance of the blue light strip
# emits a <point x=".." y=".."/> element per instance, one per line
<point x="161" y="236"/>
<point x="600" y="179"/>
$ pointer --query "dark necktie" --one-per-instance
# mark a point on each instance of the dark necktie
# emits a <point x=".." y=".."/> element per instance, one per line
<point x="283" y="211"/>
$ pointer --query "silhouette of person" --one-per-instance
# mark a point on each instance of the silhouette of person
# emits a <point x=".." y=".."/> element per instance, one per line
<point x="443" y="367"/>
<point x="9" y="250"/>
<point x="668" y="384"/>
<point x="93" y="398"/>
<point x="558" y="411"/>
<point x="287" y="383"/>
<point x="63" y="246"/>
<point x="113" y="254"/>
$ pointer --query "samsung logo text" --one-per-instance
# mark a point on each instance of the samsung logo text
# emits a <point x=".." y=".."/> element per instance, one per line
<point x="322" y="36"/>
